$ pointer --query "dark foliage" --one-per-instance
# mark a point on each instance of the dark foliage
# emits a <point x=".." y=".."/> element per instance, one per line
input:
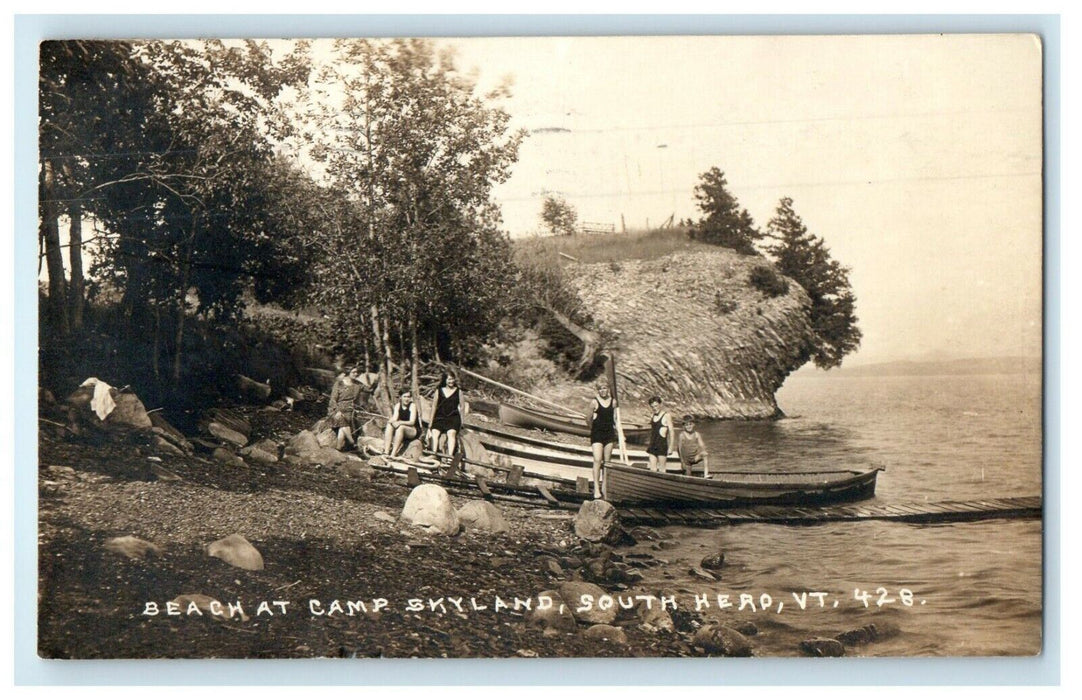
<point x="766" y="280"/>
<point x="724" y="221"/>
<point x="804" y="258"/>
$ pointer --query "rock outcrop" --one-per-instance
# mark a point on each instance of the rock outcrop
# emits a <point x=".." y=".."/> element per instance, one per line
<point x="690" y="327"/>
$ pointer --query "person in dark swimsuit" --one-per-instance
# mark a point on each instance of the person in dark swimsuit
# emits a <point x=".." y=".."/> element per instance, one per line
<point x="602" y="431"/>
<point x="401" y="424"/>
<point x="661" y="436"/>
<point x="448" y="408"/>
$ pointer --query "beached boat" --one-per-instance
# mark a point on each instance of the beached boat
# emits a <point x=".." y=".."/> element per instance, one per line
<point x="630" y="485"/>
<point x="559" y="423"/>
<point x="536" y="449"/>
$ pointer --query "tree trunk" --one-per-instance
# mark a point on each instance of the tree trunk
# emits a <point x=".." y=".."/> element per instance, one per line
<point x="54" y="261"/>
<point x="182" y="302"/>
<point x="389" y="357"/>
<point x="415" y="356"/>
<point x="384" y="370"/>
<point x="75" y="256"/>
<point x="155" y="356"/>
<point x="591" y="340"/>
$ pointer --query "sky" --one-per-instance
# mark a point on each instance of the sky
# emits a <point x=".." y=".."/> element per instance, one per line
<point x="917" y="158"/>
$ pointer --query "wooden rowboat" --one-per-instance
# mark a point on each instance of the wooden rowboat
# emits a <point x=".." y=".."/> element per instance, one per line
<point x="537" y="451"/>
<point x="533" y="418"/>
<point x="630" y="485"/>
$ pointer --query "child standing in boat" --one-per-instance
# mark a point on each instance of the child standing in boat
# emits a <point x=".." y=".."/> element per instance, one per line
<point x="447" y="411"/>
<point x="691" y="448"/>
<point x="602" y="431"/>
<point x="661" y="436"/>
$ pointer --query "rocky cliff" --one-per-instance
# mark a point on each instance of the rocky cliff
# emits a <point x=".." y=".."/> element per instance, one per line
<point x="691" y="328"/>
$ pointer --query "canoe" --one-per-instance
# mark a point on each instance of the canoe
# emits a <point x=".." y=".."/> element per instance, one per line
<point x="534" y="448"/>
<point x="532" y="418"/>
<point x="629" y="485"/>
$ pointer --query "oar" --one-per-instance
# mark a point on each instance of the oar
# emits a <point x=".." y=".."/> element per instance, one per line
<point x="562" y="409"/>
<point x="610" y="368"/>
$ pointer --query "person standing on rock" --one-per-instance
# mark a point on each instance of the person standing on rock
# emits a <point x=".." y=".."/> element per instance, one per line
<point x="602" y="431"/>
<point x="401" y="424"/>
<point x="661" y="436"/>
<point x="342" y="407"/>
<point x="692" y="449"/>
<point x="448" y="407"/>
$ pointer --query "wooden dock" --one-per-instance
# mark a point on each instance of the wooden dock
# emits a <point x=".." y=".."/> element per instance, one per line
<point x="925" y="512"/>
<point x="915" y="512"/>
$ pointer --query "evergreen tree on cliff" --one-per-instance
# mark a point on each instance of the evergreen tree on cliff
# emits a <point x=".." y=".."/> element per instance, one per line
<point x="725" y="222"/>
<point x="805" y="258"/>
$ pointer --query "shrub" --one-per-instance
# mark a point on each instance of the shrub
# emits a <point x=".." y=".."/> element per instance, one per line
<point x="767" y="281"/>
<point x="724" y="306"/>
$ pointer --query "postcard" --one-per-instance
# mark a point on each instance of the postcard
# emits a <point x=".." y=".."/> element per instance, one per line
<point x="629" y="346"/>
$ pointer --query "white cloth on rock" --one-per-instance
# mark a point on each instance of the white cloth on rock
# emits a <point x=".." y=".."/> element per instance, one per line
<point x="102" y="404"/>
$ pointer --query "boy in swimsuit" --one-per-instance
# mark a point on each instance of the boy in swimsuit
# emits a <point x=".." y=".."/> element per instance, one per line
<point x="692" y="449"/>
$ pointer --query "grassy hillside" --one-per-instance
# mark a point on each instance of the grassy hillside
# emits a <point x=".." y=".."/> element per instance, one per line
<point x="602" y="248"/>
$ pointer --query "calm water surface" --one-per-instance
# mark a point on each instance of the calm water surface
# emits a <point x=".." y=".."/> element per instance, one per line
<point x="976" y="587"/>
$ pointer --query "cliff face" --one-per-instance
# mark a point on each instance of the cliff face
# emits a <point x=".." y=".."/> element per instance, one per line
<point x="691" y="328"/>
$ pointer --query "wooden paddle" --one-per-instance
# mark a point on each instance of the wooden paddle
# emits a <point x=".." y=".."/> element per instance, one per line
<point x="610" y="370"/>
<point x="562" y="409"/>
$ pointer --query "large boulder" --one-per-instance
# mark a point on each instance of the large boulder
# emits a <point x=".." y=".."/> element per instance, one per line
<point x="555" y="615"/>
<point x="302" y="443"/>
<point x="654" y="618"/>
<point x="482" y="515"/>
<point x="597" y="521"/>
<point x="472" y="447"/>
<point x="327" y="456"/>
<point x="429" y="506"/>
<point x="356" y="469"/>
<point x="237" y="551"/>
<point x="719" y="639"/>
<point x="132" y="547"/>
<point x="122" y="411"/>
<point x="415" y="451"/>
<point x="224" y="456"/>
<point x="224" y="432"/>
<point x="327" y="437"/>
<point x="822" y="646"/>
<point x="164" y="428"/>
<point x="606" y="633"/>
<point x="580" y="594"/>
<point x="264" y="451"/>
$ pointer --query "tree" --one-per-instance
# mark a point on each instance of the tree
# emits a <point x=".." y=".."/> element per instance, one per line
<point x="724" y="222"/>
<point x="415" y="154"/>
<point x="168" y="146"/>
<point x="805" y="258"/>
<point x="558" y="215"/>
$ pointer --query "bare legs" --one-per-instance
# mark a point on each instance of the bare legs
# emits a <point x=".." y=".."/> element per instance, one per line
<point x="394" y="437"/>
<point x="602" y="454"/>
<point x="345" y="434"/>
<point x="434" y="440"/>
<point x="657" y="462"/>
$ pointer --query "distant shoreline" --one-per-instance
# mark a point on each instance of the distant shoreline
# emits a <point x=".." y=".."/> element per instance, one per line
<point x="914" y="368"/>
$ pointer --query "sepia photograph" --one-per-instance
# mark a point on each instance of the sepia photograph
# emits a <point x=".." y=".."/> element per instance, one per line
<point x="540" y="347"/>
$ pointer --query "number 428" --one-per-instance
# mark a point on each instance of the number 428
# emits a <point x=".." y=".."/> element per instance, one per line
<point x="905" y="597"/>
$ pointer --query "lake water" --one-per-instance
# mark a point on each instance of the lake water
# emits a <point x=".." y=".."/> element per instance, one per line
<point x="976" y="587"/>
